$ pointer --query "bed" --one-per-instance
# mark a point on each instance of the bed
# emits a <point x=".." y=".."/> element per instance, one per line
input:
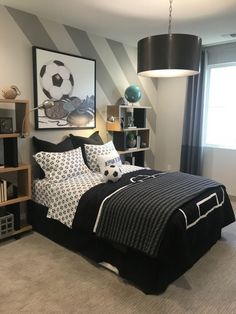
<point x="115" y="224"/>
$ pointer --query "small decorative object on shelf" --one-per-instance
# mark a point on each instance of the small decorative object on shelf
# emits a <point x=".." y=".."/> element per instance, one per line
<point x="133" y="94"/>
<point x="6" y="125"/>
<point x="131" y="140"/>
<point x="11" y="92"/>
<point x="6" y="224"/>
<point x="122" y="102"/>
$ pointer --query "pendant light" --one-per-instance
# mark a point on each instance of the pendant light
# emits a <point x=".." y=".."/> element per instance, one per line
<point x="169" y="55"/>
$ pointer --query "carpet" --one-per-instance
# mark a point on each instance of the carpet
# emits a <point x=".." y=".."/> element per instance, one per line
<point x="39" y="276"/>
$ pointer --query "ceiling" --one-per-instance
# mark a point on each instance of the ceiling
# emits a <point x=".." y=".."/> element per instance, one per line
<point x="130" y="20"/>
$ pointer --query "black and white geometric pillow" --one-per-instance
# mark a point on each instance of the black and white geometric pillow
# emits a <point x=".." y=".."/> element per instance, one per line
<point x="93" y="151"/>
<point x="62" y="166"/>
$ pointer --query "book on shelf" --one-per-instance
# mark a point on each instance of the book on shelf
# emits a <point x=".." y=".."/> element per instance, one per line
<point x="138" y="141"/>
<point x="1" y="197"/>
<point x="3" y="190"/>
<point x="7" y="190"/>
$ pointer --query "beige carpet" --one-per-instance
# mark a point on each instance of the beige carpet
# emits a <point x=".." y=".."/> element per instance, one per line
<point x="39" y="276"/>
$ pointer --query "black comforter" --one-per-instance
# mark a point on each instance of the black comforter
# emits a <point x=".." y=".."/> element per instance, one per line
<point x="138" y="207"/>
<point x="179" y="249"/>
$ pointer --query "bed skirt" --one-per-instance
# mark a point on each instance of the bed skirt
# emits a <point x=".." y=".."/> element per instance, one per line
<point x="151" y="275"/>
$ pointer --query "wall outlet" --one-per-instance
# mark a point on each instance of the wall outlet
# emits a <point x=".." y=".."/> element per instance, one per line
<point x="169" y="167"/>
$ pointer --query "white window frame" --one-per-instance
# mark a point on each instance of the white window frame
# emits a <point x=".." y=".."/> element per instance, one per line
<point x="206" y="101"/>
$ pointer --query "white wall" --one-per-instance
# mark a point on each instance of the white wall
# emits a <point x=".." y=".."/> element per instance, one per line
<point x="168" y="100"/>
<point x="170" y="112"/>
<point x="220" y="165"/>
<point x="115" y="70"/>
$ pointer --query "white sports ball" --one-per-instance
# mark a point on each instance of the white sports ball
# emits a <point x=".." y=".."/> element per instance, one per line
<point x="56" y="80"/>
<point x="112" y="173"/>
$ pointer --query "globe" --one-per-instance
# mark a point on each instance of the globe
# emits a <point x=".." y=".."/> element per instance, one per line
<point x="133" y="93"/>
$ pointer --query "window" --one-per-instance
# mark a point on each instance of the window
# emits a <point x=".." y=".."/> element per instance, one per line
<point x="220" y="110"/>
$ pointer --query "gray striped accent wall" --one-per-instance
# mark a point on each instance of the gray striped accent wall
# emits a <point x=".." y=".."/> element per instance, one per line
<point x="115" y="67"/>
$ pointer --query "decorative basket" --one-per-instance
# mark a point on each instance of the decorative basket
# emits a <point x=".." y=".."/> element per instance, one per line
<point x="6" y="225"/>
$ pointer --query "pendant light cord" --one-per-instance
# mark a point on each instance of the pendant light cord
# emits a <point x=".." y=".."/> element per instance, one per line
<point x="170" y="17"/>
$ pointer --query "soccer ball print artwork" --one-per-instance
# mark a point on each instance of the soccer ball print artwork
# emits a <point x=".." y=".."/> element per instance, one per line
<point x="112" y="173"/>
<point x="56" y="80"/>
<point x="68" y="81"/>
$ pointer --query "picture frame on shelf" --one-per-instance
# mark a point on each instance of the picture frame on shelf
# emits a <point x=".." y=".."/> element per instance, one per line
<point x="70" y="82"/>
<point x="6" y="125"/>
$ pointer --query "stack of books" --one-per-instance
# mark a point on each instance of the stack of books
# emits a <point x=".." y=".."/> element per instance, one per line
<point x="7" y="190"/>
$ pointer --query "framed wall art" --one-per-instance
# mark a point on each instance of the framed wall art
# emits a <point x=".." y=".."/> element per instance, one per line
<point x="69" y="83"/>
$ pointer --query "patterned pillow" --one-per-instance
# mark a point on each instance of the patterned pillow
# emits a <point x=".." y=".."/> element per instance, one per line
<point x="93" y="151"/>
<point x="112" y="158"/>
<point x="79" y="141"/>
<point x="61" y="166"/>
<point x="45" y="146"/>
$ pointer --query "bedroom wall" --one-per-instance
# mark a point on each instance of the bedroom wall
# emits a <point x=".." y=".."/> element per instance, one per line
<point x="115" y="65"/>
<point x="116" y="69"/>
<point x="170" y="113"/>
<point x="218" y="164"/>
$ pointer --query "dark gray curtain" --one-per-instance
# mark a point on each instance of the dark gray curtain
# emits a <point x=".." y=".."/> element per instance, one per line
<point x="191" y="150"/>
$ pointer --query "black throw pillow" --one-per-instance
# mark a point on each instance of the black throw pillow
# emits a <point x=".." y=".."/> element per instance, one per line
<point x="95" y="136"/>
<point x="45" y="146"/>
<point x="79" y="141"/>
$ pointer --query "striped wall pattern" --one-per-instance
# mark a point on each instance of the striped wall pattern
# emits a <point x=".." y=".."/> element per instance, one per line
<point x="115" y="64"/>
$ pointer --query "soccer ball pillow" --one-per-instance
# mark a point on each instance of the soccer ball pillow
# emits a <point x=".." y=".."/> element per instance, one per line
<point x="111" y="173"/>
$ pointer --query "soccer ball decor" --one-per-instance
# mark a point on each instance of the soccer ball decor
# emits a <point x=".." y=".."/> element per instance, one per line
<point x="112" y="173"/>
<point x="57" y="83"/>
<point x="68" y="81"/>
<point x="133" y="93"/>
<point x="56" y="80"/>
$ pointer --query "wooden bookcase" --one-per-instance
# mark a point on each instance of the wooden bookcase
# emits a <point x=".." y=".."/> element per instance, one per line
<point x="17" y="175"/>
<point x="122" y="121"/>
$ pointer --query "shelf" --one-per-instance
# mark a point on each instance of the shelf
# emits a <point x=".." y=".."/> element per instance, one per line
<point x="4" y="169"/>
<point x="135" y="107"/>
<point x="16" y="177"/>
<point x="124" y="137"/>
<point x="15" y="200"/>
<point x="18" y="110"/>
<point x="9" y="135"/>
<point x="21" y="230"/>
<point x="129" y="129"/>
<point x="21" y="178"/>
<point x="132" y="150"/>
<point x="13" y="101"/>
<point x="133" y="129"/>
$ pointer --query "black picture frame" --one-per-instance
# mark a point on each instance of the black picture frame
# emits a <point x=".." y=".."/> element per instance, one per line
<point x="70" y="82"/>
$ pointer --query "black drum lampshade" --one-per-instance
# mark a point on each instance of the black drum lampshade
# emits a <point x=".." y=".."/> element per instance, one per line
<point x="169" y="55"/>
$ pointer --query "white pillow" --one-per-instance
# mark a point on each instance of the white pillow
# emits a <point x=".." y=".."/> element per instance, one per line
<point x="61" y="166"/>
<point x="113" y="158"/>
<point x="93" y="151"/>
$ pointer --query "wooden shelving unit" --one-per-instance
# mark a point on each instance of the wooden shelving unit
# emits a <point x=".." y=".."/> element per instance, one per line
<point x="123" y="121"/>
<point x="11" y="135"/>
<point x="14" y="173"/>
<point x="18" y="110"/>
